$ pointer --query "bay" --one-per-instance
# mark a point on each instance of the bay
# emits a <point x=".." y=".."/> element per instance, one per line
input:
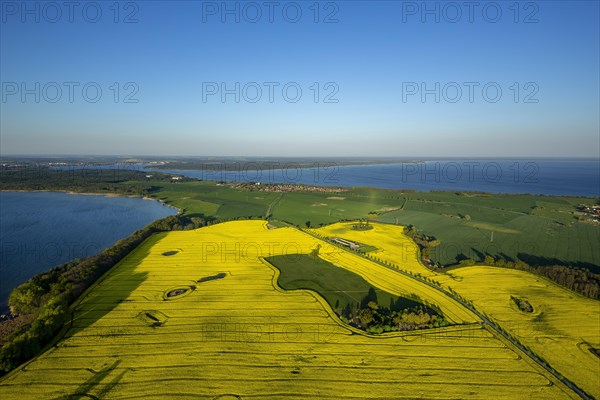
<point x="40" y="230"/>
<point x="552" y="177"/>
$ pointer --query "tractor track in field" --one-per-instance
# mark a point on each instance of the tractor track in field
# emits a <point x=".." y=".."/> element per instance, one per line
<point x="272" y="205"/>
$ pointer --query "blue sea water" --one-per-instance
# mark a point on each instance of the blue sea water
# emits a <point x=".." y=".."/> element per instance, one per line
<point x="561" y="177"/>
<point x="39" y="230"/>
<point x="552" y="176"/>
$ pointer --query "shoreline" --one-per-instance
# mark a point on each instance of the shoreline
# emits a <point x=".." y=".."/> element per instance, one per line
<point x="5" y="310"/>
<point x="131" y="196"/>
<point x="188" y="174"/>
<point x="229" y="176"/>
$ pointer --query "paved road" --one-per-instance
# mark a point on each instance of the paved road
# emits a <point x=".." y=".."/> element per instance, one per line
<point x="485" y="320"/>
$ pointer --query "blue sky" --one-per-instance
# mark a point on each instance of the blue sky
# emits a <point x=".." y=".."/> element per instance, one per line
<point x="375" y="58"/>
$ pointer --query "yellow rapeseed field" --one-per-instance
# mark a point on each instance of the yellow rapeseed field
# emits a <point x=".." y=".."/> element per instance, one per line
<point x="392" y="245"/>
<point x="138" y="334"/>
<point x="561" y="328"/>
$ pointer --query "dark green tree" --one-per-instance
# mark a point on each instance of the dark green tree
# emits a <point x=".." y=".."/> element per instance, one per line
<point x="315" y="252"/>
<point x="371" y="296"/>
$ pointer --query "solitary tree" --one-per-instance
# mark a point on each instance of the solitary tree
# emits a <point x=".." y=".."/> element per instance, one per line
<point x="315" y="252"/>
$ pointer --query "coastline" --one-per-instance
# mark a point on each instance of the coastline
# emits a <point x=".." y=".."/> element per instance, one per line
<point x="132" y="196"/>
<point x="554" y="177"/>
<point x="515" y="178"/>
<point x="5" y="312"/>
<point x="180" y="211"/>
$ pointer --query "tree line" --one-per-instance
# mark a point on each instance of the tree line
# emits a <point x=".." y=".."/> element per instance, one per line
<point x="580" y="280"/>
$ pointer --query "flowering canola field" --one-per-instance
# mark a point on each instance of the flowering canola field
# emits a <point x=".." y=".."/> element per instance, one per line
<point x="198" y="314"/>
<point x="392" y="245"/>
<point x="561" y="329"/>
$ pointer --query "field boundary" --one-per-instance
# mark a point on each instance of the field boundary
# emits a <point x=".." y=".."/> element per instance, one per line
<point x="486" y="321"/>
<point x="353" y="330"/>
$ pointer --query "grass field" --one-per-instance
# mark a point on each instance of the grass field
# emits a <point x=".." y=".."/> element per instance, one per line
<point x="511" y="227"/>
<point x="540" y="230"/>
<point x="239" y="336"/>
<point x="562" y="328"/>
<point x="213" y="200"/>
<point x="320" y="208"/>
<point x="336" y="285"/>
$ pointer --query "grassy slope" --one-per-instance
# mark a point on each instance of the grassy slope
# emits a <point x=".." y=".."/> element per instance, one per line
<point x="277" y="345"/>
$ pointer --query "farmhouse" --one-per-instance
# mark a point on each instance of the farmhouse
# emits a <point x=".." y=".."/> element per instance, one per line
<point x="346" y="243"/>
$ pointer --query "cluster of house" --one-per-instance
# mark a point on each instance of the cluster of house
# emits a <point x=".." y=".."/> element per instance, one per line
<point x="174" y="178"/>
<point x="592" y="212"/>
<point x="285" y="187"/>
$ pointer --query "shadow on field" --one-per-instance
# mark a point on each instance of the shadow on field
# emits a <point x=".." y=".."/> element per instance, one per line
<point x="83" y="390"/>
<point x="111" y="290"/>
<point x="480" y="255"/>
<point x="546" y="261"/>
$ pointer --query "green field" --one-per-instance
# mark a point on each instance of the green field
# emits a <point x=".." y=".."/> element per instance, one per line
<point x="539" y="230"/>
<point x="338" y="286"/>
<point x="505" y="226"/>
<point x="211" y="200"/>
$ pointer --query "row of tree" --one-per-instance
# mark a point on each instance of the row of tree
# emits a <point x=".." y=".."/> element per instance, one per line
<point x="363" y="225"/>
<point x="425" y="243"/>
<point x="580" y="280"/>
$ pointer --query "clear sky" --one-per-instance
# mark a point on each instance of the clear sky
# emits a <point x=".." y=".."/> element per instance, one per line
<point x="377" y="78"/>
